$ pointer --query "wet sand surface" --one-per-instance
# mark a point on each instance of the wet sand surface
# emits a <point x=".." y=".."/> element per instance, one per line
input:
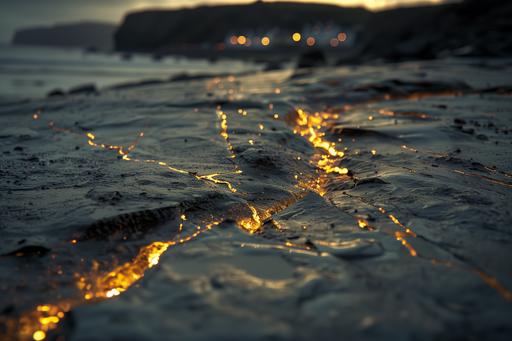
<point x="353" y="202"/>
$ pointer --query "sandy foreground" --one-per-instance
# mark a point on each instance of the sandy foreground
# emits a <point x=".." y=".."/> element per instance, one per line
<point x="341" y="203"/>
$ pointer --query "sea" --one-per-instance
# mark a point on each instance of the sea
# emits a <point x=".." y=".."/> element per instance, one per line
<point x="33" y="72"/>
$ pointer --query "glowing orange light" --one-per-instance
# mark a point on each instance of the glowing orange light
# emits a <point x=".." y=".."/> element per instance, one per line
<point x="342" y="36"/>
<point x="233" y="40"/>
<point x="265" y="41"/>
<point x="334" y="42"/>
<point x="296" y="37"/>
<point x="401" y="238"/>
<point x="311" y="41"/>
<point x="39" y="335"/>
<point x="251" y="224"/>
<point x="242" y="40"/>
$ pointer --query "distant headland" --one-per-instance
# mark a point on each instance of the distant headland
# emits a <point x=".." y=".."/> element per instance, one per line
<point x="468" y="28"/>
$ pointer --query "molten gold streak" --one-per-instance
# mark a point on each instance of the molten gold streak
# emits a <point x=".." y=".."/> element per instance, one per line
<point x="213" y="178"/>
<point x="311" y="127"/>
<point x="486" y="178"/>
<point x="495" y="284"/>
<point x="91" y="138"/>
<point x="258" y="217"/>
<point x="364" y="225"/>
<point x="122" y="277"/>
<point x="251" y="224"/>
<point x="400" y="236"/>
<point x="223" y="118"/>
<point x="395" y="220"/>
<point x="38" y="323"/>
<point x="99" y="286"/>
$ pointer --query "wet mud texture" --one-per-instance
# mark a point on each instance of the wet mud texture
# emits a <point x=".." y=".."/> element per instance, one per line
<point x="219" y="208"/>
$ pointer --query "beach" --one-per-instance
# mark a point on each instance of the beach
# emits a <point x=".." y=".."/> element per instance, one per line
<point x="347" y="202"/>
<point x="35" y="71"/>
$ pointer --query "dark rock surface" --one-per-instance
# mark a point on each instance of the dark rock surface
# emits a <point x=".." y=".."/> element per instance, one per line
<point x="310" y="59"/>
<point x="412" y="243"/>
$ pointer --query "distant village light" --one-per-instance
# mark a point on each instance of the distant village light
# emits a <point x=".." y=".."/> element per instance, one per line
<point x="334" y="42"/>
<point x="311" y="41"/>
<point x="233" y="40"/>
<point x="265" y="41"/>
<point x="342" y="36"/>
<point x="296" y="37"/>
<point x="242" y="40"/>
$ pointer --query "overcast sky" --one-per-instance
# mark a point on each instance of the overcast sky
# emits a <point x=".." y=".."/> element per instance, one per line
<point x="25" y="13"/>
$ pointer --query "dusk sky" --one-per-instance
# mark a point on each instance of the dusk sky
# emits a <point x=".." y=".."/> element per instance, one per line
<point x="24" y="13"/>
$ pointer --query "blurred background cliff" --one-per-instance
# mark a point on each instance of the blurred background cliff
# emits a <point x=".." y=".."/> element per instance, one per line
<point x="271" y="34"/>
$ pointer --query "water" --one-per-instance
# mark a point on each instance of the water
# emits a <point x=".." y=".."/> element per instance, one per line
<point x="31" y="72"/>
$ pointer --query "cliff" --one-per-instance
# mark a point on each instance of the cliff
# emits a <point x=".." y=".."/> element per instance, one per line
<point x="473" y="27"/>
<point x="154" y="29"/>
<point x="470" y="27"/>
<point x="86" y="34"/>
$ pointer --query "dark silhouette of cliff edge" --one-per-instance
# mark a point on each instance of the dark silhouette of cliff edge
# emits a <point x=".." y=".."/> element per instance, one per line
<point x="151" y="30"/>
<point x="469" y="28"/>
<point x="84" y="35"/>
